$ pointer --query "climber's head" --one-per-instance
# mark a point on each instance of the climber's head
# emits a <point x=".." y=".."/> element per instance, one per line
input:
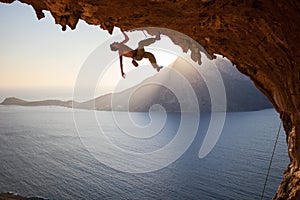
<point x="114" y="46"/>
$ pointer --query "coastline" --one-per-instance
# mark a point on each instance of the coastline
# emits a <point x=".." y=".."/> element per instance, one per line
<point x="13" y="196"/>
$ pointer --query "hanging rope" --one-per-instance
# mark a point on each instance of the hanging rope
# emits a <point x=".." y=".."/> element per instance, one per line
<point x="270" y="164"/>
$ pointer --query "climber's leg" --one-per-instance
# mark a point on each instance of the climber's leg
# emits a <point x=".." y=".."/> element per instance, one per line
<point x="135" y="63"/>
<point x="152" y="60"/>
<point x="146" y="42"/>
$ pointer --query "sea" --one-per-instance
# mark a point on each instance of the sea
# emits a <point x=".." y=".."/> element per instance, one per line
<point x="43" y="155"/>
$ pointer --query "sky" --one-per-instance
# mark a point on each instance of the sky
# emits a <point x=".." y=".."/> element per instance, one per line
<point x="40" y="61"/>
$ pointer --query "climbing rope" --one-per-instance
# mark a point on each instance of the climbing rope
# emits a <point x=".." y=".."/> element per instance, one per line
<point x="270" y="164"/>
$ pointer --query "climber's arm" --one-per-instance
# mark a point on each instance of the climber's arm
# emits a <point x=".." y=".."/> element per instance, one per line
<point x="126" y="37"/>
<point x="121" y="66"/>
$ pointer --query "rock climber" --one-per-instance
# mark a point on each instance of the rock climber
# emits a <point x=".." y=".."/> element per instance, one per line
<point x="137" y="54"/>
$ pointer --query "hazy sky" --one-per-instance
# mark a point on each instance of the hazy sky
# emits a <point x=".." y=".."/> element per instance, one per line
<point x="38" y="60"/>
<point x="37" y="55"/>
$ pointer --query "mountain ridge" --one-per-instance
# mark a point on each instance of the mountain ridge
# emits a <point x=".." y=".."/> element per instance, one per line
<point x="240" y="91"/>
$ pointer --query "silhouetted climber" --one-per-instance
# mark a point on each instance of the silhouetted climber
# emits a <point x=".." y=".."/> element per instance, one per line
<point x="137" y="54"/>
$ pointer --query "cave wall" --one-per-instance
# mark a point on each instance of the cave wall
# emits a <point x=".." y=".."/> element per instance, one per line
<point x="261" y="37"/>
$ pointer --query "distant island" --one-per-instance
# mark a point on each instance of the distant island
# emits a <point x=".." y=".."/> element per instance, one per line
<point x="21" y="102"/>
<point x="241" y="93"/>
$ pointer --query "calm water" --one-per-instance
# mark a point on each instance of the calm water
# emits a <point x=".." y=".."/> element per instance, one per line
<point x="42" y="155"/>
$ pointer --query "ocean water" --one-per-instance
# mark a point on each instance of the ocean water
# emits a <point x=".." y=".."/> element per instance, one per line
<point x="41" y="154"/>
